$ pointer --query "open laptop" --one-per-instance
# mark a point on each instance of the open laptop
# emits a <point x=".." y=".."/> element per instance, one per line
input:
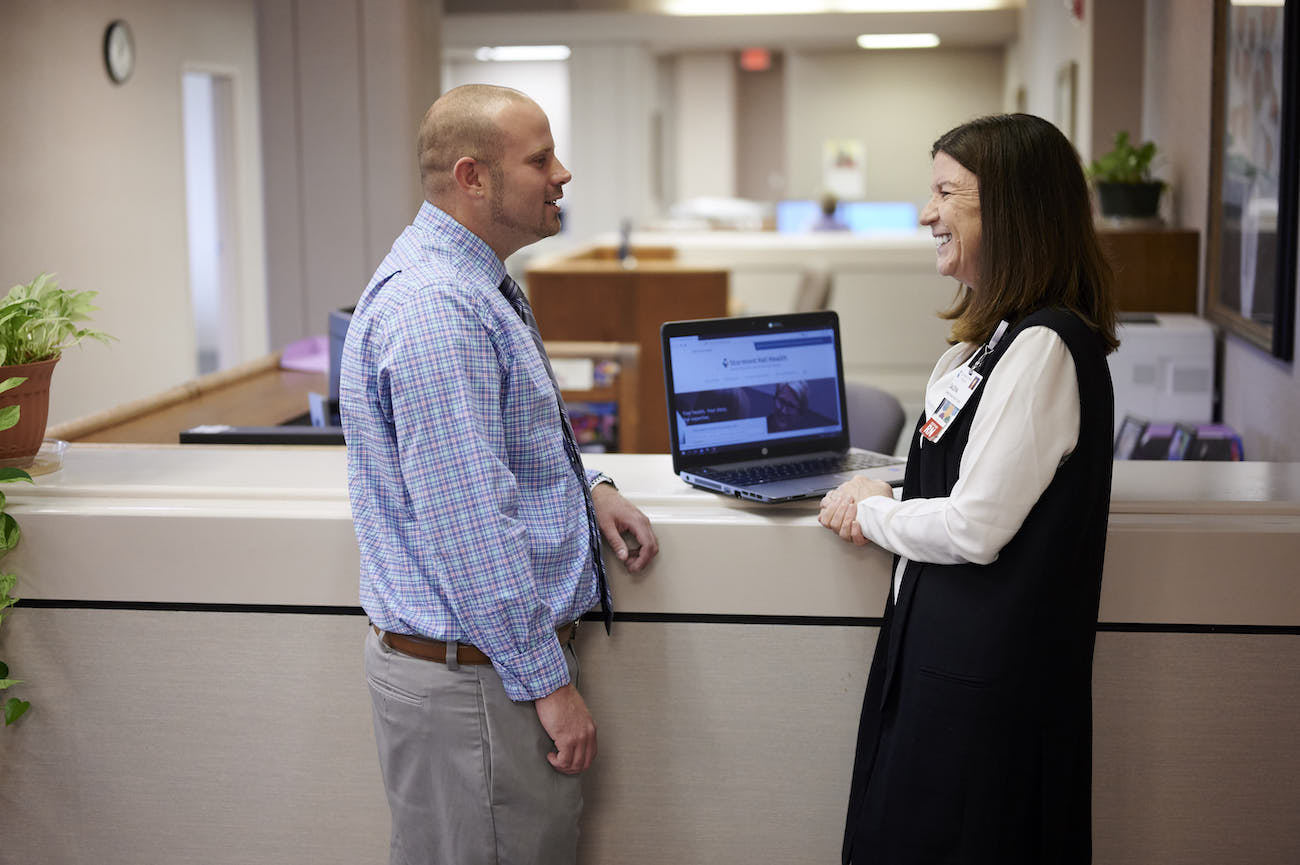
<point x="757" y="409"/>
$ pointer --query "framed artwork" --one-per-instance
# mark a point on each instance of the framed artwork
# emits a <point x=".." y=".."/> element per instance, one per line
<point x="1066" y="106"/>
<point x="844" y="167"/>
<point x="1254" y="185"/>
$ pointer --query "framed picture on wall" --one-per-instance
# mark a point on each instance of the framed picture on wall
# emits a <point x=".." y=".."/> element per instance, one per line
<point x="1254" y="174"/>
<point x="844" y="167"/>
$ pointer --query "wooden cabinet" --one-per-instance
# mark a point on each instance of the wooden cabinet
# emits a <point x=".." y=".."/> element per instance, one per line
<point x="591" y="297"/>
<point x="1155" y="267"/>
<point x="619" y="390"/>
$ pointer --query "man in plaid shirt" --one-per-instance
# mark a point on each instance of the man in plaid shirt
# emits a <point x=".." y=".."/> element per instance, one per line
<point x="477" y="524"/>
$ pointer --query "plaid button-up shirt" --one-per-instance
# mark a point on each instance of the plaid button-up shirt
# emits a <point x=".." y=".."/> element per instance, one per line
<point x="470" y="520"/>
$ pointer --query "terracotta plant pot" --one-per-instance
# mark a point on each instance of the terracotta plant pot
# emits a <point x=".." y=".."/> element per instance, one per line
<point x="21" y="442"/>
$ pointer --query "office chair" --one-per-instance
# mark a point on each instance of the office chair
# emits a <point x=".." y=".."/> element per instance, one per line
<point x="875" y="417"/>
<point x="814" y="291"/>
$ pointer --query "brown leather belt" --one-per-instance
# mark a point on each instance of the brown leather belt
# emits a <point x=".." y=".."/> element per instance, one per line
<point x="436" y="650"/>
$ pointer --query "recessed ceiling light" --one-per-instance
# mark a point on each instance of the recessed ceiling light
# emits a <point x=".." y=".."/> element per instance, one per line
<point x="806" y="7"/>
<point x="509" y="53"/>
<point x="898" y="40"/>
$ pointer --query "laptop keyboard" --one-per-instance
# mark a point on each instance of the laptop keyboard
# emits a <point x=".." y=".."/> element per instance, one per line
<point x="803" y="469"/>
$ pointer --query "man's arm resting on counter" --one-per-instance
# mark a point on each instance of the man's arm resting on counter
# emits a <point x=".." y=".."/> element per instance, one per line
<point x="615" y="515"/>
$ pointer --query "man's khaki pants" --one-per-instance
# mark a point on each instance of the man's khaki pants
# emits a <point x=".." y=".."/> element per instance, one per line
<point x="465" y="767"/>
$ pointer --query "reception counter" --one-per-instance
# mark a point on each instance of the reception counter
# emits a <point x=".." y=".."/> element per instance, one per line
<point x="190" y="642"/>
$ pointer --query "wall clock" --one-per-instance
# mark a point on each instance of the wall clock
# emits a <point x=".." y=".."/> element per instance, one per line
<point x="119" y="51"/>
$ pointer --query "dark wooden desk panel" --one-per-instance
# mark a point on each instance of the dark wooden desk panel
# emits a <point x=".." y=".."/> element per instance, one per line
<point x="590" y="300"/>
<point x="1155" y="268"/>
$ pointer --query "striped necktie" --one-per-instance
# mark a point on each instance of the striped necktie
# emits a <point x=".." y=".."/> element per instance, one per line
<point x="510" y="290"/>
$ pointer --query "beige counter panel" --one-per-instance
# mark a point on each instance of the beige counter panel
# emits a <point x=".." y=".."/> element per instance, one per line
<point x="1190" y="543"/>
<point x="223" y="734"/>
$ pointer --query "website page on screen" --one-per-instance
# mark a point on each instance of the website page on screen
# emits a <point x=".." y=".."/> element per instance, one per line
<point x="742" y="390"/>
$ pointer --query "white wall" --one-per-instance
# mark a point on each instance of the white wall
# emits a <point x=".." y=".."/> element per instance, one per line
<point x="704" y="156"/>
<point x="612" y="110"/>
<point x="760" y="132"/>
<point x="92" y="181"/>
<point x="346" y="83"/>
<point x="1177" y="77"/>
<point x="1118" y="34"/>
<point x="897" y="102"/>
<point x="1050" y="37"/>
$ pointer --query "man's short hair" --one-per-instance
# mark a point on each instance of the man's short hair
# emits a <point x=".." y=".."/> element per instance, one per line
<point x="462" y="122"/>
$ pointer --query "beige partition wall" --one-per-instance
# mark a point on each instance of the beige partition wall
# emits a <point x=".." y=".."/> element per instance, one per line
<point x="343" y="84"/>
<point x="191" y="648"/>
<point x="195" y="736"/>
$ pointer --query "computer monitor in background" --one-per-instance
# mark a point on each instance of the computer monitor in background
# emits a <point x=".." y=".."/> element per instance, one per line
<point x="799" y="215"/>
<point x="867" y="216"/>
<point x="796" y="215"/>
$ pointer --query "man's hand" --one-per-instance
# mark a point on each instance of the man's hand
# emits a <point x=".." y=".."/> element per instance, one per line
<point x="565" y="718"/>
<point x="616" y="515"/>
<point x="839" y="507"/>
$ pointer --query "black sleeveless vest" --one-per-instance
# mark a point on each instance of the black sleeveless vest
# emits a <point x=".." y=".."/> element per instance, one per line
<point x="975" y="740"/>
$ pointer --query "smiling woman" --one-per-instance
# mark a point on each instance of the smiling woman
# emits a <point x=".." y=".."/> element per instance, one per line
<point x="953" y="216"/>
<point x="975" y="737"/>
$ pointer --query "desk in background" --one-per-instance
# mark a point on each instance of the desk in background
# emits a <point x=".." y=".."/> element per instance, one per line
<point x="264" y="404"/>
<point x="254" y="394"/>
<point x="592" y="296"/>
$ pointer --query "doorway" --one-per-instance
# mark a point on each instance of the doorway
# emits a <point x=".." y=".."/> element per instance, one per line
<point x="209" y="121"/>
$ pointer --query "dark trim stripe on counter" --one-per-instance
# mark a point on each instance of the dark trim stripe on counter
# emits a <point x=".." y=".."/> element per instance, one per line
<point x="661" y="618"/>
<point x="175" y="607"/>
<point x="1151" y="628"/>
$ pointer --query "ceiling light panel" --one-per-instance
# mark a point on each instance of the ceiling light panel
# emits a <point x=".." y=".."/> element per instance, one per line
<point x="521" y="53"/>
<point x="898" y="40"/>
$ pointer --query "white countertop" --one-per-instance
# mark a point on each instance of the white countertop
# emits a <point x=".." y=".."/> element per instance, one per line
<point x="182" y="524"/>
<point x="132" y="472"/>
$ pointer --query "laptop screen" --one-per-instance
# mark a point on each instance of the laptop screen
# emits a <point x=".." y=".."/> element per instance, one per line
<point x="752" y="387"/>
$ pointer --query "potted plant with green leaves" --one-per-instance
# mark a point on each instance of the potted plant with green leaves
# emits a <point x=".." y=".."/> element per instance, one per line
<point x="13" y="708"/>
<point x="1125" y="187"/>
<point x="37" y="322"/>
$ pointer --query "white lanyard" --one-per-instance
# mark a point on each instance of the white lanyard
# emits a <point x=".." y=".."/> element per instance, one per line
<point x="959" y="389"/>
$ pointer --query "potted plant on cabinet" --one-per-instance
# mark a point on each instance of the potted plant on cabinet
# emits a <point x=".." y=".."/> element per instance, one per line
<point x="37" y="322"/>
<point x="1125" y="187"/>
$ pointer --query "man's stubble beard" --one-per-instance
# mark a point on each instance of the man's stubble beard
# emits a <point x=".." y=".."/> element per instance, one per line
<point x="502" y="218"/>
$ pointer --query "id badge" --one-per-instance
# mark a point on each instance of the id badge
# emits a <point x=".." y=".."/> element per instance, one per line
<point x="953" y="401"/>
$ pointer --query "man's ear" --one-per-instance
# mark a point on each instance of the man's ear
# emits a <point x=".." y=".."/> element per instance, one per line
<point x="469" y="175"/>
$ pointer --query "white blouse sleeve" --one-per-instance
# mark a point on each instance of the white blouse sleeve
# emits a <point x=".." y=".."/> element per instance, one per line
<point x="1026" y="424"/>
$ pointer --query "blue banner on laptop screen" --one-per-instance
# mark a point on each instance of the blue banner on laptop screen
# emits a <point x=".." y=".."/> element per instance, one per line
<point x="739" y="390"/>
